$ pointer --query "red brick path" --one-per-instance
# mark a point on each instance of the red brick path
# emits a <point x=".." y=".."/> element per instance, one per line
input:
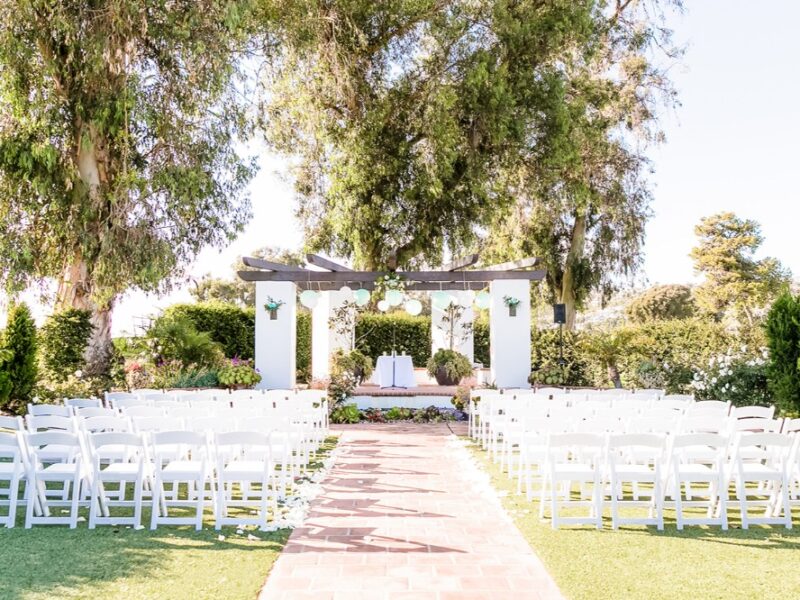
<point x="397" y="521"/>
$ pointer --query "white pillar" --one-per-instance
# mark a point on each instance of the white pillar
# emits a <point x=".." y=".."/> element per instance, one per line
<point x="276" y="340"/>
<point x="510" y="337"/>
<point x="439" y="337"/>
<point x="324" y="340"/>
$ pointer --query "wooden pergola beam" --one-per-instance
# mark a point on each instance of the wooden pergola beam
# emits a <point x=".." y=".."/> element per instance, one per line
<point x="513" y="265"/>
<point x="299" y="276"/>
<point x="324" y="286"/>
<point x="260" y="263"/>
<point x="325" y="263"/>
<point x="461" y="263"/>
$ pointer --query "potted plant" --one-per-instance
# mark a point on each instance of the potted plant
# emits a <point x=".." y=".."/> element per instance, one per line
<point x="354" y="363"/>
<point x="449" y="367"/>
<point x="238" y="374"/>
<point x="511" y="303"/>
<point x="272" y="306"/>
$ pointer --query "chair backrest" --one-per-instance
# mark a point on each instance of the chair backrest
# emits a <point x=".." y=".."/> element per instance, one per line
<point x="110" y="396"/>
<point x="12" y="423"/>
<point x="95" y="411"/>
<point x="160" y="423"/>
<point x="791" y="426"/>
<point x="83" y="402"/>
<point x="757" y="425"/>
<point x="59" y="445"/>
<point x="549" y="391"/>
<point x="704" y="424"/>
<point x="315" y="395"/>
<point x="599" y="425"/>
<point x="97" y="424"/>
<point x="650" y="424"/>
<point x="124" y="402"/>
<point x="241" y="438"/>
<point x="774" y="447"/>
<point x="147" y="392"/>
<point x="247" y="393"/>
<point x="56" y="410"/>
<point x="589" y="440"/>
<point x="11" y="448"/>
<point x="164" y="442"/>
<point x="48" y="422"/>
<point x="143" y="410"/>
<point x="709" y="407"/>
<point x="131" y="442"/>
<point x="697" y="445"/>
<point x="214" y="424"/>
<point x="678" y="405"/>
<point x="644" y="446"/>
<point x="753" y="412"/>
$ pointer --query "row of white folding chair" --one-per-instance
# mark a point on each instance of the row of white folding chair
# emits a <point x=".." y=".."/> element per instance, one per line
<point x="588" y="458"/>
<point x="122" y="458"/>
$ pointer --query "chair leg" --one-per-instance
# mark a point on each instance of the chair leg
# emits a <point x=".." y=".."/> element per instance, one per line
<point x="94" y="500"/>
<point x="32" y="483"/>
<point x="76" y="496"/>
<point x="137" y="503"/>
<point x="201" y="494"/>
<point x="156" y="503"/>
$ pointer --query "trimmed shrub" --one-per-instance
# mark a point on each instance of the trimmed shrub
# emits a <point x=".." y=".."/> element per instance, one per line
<point x="545" y="355"/>
<point x="783" y="339"/>
<point x="230" y="326"/>
<point x="20" y="365"/>
<point x="62" y="343"/>
<point x="480" y="333"/>
<point x="662" y="303"/>
<point x="303" y="354"/>
<point x="412" y="335"/>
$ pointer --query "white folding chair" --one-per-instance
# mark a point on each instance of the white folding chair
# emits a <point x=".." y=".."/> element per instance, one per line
<point x="12" y="470"/>
<point x="12" y="423"/>
<point x="574" y="458"/>
<point x="636" y="459"/>
<point x="147" y="392"/>
<point x="83" y="402"/>
<point x="753" y="412"/>
<point x="99" y="424"/>
<point x="700" y="458"/>
<point x="121" y="403"/>
<point x="192" y="468"/>
<point x="763" y="458"/>
<point x="143" y="411"/>
<point x="757" y="425"/>
<point x="709" y="408"/>
<point x="64" y="467"/>
<point x="49" y="410"/>
<point x="245" y="478"/>
<point x="112" y="466"/>
<point x="95" y="411"/>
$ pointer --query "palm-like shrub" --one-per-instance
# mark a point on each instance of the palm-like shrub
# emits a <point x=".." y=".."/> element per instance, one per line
<point x="175" y="337"/>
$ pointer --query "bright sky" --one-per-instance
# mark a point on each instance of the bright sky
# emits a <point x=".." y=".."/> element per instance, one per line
<point x="732" y="145"/>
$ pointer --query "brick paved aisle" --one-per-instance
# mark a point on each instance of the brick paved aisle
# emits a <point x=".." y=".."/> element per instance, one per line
<point x="396" y="520"/>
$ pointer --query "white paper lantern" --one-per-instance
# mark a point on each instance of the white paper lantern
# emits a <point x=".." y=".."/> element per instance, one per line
<point x="483" y="299"/>
<point x="361" y="296"/>
<point x="413" y="307"/>
<point x="346" y="289"/>
<point x="394" y="297"/>
<point x="383" y="306"/>
<point x="467" y="298"/>
<point x="440" y="300"/>
<point x="309" y="298"/>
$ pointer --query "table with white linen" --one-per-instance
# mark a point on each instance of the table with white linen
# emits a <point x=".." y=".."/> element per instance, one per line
<point x="403" y="372"/>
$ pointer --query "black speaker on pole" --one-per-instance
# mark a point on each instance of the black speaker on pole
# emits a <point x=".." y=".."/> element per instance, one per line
<point x="560" y="313"/>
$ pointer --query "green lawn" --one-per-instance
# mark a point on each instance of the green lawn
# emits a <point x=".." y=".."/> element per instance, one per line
<point x="643" y="563"/>
<point x="48" y="562"/>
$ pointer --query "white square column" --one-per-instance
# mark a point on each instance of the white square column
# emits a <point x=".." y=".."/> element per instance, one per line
<point x="510" y="337"/>
<point x="324" y="340"/>
<point x="439" y="338"/>
<point x="276" y="339"/>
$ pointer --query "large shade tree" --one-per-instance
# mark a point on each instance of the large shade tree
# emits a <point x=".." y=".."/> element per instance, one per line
<point x="405" y="114"/>
<point x="118" y="129"/>
<point x="582" y="196"/>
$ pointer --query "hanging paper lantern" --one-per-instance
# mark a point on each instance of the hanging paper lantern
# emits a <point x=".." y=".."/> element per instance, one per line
<point x="309" y="298"/>
<point x="383" y="306"/>
<point x="440" y="300"/>
<point x="413" y="307"/>
<point x="483" y="299"/>
<point x="467" y="298"/>
<point x="394" y="297"/>
<point x="346" y="289"/>
<point x="361" y="296"/>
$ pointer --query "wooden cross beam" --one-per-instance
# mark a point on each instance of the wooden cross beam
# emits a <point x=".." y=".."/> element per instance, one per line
<point x="513" y="265"/>
<point x="461" y="263"/>
<point x="326" y="263"/>
<point x="342" y="278"/>
<point x="260" y="263"/>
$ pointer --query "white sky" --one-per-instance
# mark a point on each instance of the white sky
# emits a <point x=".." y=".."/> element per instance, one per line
<point x="732" y="145"/>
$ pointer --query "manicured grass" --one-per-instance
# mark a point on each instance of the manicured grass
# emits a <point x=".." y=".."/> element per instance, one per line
<point x="641" y="562"/>
<point x="48" y="562"/>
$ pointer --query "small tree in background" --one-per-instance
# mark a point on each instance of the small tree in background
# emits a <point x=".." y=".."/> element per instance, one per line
<point x="783" y="339"/>
<point x="20" y="366"/>
<point x="661" y="303"/>
<point x="62" y="343"/>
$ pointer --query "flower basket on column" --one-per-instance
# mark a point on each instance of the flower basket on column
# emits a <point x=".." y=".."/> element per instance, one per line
<point x="511" y="303"/>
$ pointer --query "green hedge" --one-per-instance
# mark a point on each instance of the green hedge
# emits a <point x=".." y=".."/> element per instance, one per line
<point x="303" y="354"/>
<point x="230" y="326"/>
<point x="62" y="342"/>
<point x="412" y="335"/>
<point x="480" y="339"/>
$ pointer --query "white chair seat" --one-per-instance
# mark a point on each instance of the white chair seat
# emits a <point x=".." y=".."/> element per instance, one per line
<point x="245" y="468"/>
<point x="178" y="469"/>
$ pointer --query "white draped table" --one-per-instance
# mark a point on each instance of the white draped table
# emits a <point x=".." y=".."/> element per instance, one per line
<point x="394" y="371"/>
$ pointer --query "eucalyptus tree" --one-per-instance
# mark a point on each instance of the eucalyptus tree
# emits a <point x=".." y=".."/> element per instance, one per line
<point x="404" y="114"/>
<point x="582" y="196"/>
<point x="118" y="129"/>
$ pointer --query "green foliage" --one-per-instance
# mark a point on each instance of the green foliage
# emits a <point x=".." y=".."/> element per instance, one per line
<point x="303" y="354"/>
<point x="783" y="339"/>
<point x="432" y="414"/>
<point x="5" y="377"/>
<point x="662" y="303"/>
<point x="608" y="348"/>
<point x="175" y="375"/>
<point x="480" y="339"/>
<point x="734" y="279"/>
<point x="399" y="413"/>
<point x="347" y="413"/>
<point x="738" y="376"/>
<point x="376" y="333"/>
<point x="462" y="397"/>
<point x="353" y="362"/>
<point x="62" y="343"/>
<point x="20" y="365"/>
<point x="174" y="337"/>
<point x="455" y="365"/>
<point x="373" y="415"/>
<point x="545" y="355"/>
<point x="232" y="327"/>
<point x="238" y="373"/>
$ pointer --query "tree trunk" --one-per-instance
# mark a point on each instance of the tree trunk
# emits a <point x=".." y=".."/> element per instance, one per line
<point x="574" y="256"/>
<point x="614" y="376"/>
<point x="74" y="291"/>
